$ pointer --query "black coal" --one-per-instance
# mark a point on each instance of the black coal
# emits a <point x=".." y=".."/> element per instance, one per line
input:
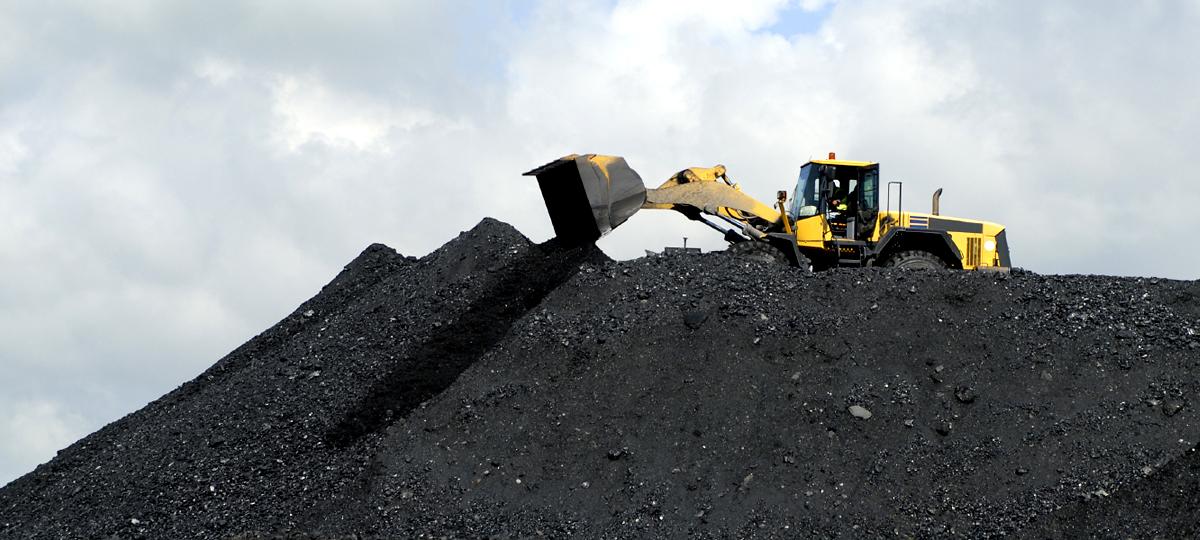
<point x="500" y="388"/>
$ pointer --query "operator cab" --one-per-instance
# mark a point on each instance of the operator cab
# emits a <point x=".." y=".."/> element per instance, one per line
<point x="845" y="193"/>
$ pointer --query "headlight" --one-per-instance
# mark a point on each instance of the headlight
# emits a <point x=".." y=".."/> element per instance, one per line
<point x="990" y="245"/>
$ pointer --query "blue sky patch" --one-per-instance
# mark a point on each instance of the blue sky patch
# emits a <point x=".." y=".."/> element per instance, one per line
<point x="794" y="20"/>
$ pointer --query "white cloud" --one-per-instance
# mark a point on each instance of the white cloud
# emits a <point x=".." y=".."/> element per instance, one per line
<point x="12" y="152"/>
<point x="814" y="5"/>
<point x="216" y="70"/>
<point x="32" y="432"/>
<point x="1040" y="110"/>
<point x="310" y="111"/>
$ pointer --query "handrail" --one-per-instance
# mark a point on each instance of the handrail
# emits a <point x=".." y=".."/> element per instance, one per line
<point x="899" y="202"/>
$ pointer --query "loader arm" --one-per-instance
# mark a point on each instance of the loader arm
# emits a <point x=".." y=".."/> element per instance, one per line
<point x="711" y="198"/>
<point x="588" y="195"/>
<point x="707" y="190"/>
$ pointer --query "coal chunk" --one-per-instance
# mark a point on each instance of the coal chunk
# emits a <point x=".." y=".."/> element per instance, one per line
<point x="694" y="319"/>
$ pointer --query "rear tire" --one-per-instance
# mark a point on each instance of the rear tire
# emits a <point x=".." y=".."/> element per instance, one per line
<point x="916" y="260"/>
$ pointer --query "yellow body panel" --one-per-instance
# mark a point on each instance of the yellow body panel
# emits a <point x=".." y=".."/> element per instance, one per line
<point x="968" y="243"/>
<point x="812" y="232"/>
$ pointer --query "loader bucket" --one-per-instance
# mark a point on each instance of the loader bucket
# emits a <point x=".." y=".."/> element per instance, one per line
<point x="589" y="195"/>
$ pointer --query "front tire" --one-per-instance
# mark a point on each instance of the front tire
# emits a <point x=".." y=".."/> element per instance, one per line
<point x="916" y="260"/>
<point x="763" y="251"/>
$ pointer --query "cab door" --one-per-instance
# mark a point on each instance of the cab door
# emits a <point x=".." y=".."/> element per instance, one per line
<point x="809" y="208"/>
<point x="867" y="203"/>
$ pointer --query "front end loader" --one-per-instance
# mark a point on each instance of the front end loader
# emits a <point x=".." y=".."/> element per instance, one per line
<point x="833" y="219"/>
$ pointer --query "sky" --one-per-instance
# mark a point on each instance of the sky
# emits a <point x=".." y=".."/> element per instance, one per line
<point x="175" y="177"/>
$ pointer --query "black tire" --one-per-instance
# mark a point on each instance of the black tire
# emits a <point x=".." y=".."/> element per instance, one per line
<point x="916" y="260"/>
<point x="752" y="249"/>
<point x="764" y="251"/>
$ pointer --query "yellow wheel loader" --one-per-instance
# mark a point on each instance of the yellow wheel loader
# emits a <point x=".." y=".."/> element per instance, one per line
<point x="833" y="217"/>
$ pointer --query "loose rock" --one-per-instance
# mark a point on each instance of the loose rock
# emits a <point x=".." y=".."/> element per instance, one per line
<point x="860" y="412"/>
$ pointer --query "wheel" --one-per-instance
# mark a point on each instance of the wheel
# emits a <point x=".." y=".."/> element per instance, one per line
<point x="916" y="260"/>
<point x="764" y="251"/>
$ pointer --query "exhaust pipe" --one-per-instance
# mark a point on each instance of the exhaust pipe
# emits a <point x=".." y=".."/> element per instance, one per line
<point x="937" y="202"/>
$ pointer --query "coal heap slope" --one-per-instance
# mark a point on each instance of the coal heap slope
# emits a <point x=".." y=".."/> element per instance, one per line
<point x="500" y="388"/>
<point x="706" y="396"/>
<point x="294" y="415"/>
<point x="1164" y="505"/>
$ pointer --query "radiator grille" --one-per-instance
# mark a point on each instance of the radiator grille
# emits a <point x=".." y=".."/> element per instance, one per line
<point x="973" y="245"/>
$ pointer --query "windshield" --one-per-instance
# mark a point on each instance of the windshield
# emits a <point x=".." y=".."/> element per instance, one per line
<point x="804" y="199"/>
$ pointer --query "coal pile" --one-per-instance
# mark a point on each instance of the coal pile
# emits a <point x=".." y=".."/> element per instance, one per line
<point x="500" y="388"/>
<point x="293" y="416"/>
